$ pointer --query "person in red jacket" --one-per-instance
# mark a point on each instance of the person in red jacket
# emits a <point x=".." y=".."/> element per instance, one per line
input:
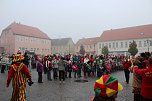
<point x="18" y="74"/>
<point x="146" y="86"/>
<point x="126" y="65"/>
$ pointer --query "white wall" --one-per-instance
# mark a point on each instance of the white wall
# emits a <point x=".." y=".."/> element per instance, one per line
<point x="143" y="48"/>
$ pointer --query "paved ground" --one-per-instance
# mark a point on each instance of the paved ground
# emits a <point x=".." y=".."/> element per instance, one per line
<point x="70" y="91"/>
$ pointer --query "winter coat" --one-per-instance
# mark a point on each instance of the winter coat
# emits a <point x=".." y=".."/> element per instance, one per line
<point x="146" y="86"/>
<point x="39" y="67"/>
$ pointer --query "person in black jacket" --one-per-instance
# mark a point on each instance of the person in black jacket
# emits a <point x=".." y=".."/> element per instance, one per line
<point x="26" y="59"/>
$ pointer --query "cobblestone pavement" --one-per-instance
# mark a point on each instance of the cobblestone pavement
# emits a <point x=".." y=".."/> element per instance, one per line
<point x="70" y="91"/>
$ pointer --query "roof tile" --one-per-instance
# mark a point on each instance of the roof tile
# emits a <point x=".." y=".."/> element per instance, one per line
<point x="25" y="30"/>
<point x="137" y="32"/>
<point x="88" y="41"/>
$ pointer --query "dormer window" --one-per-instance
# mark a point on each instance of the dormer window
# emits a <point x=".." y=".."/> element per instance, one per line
<point x="141" y="33"/>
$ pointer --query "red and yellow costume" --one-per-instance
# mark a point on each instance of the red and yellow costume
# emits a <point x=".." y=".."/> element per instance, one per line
<point x="18" y="74"/>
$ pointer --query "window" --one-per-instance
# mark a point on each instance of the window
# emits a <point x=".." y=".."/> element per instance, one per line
<point x="26" y="39"/>
<point x="109" y="45"/>
<point x="99" y="45"/>
<point x="150" y="42"/>
<point x="106" y="44"/>
<point x="29" y="39"/>
<point x="21" y="39"/>
<point x="18" y="39"/>
<point x="84" y="47"/>
<point x="116" y="44"/>
<point x="90" y="47"/>
<point x="121" y="44"/>
<point x="102" y="45"/>
<point x="126" y="44"/>
<point x="140" y="45"/>
<point x="130" y="42"/>
<point x="113" y="45"/>
<point x="145" y="43"/>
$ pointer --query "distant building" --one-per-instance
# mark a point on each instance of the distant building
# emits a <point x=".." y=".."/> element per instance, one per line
<point x="62" y="46"/>
<point x="118" y="40"/>
<point x="18" y="36"/>
<point x="89" y="44"/>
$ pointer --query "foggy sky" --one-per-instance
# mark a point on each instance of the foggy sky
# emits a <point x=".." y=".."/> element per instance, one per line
<point x="76" y="18"/>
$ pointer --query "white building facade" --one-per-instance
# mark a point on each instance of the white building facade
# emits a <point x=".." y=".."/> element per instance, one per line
<point x="122" y="46"/>
<point x="118" y="40"/>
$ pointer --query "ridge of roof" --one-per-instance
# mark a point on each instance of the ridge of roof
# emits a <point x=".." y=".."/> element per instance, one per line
<point x="21" y="29"/>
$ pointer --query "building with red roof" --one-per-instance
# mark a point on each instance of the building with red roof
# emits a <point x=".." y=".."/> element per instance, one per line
<point x="89" y="44"/>
<point x="18" y="36"/>
<point x="118" y="40"/>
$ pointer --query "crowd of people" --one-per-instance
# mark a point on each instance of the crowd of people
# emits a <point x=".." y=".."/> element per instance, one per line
<point x="80" y="66"/>
<point x="77" y="66"/>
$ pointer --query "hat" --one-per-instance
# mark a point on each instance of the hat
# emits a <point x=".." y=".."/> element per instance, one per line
<point x="107" y="86"/>
<point x="17" y="58"/>
<point x="19" y="51"/>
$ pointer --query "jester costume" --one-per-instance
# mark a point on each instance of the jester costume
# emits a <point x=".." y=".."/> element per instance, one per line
<point x="18" y="73"/>
<point x="106" y="87"/>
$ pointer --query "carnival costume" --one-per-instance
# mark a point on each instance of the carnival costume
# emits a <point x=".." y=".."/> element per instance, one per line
<point x="18" y="73"/>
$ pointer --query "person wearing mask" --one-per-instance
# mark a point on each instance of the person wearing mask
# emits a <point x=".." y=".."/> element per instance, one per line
<point x="18" y="74"/>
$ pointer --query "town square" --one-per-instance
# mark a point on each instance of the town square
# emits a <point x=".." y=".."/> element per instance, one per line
<point x="75" y="50"/>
